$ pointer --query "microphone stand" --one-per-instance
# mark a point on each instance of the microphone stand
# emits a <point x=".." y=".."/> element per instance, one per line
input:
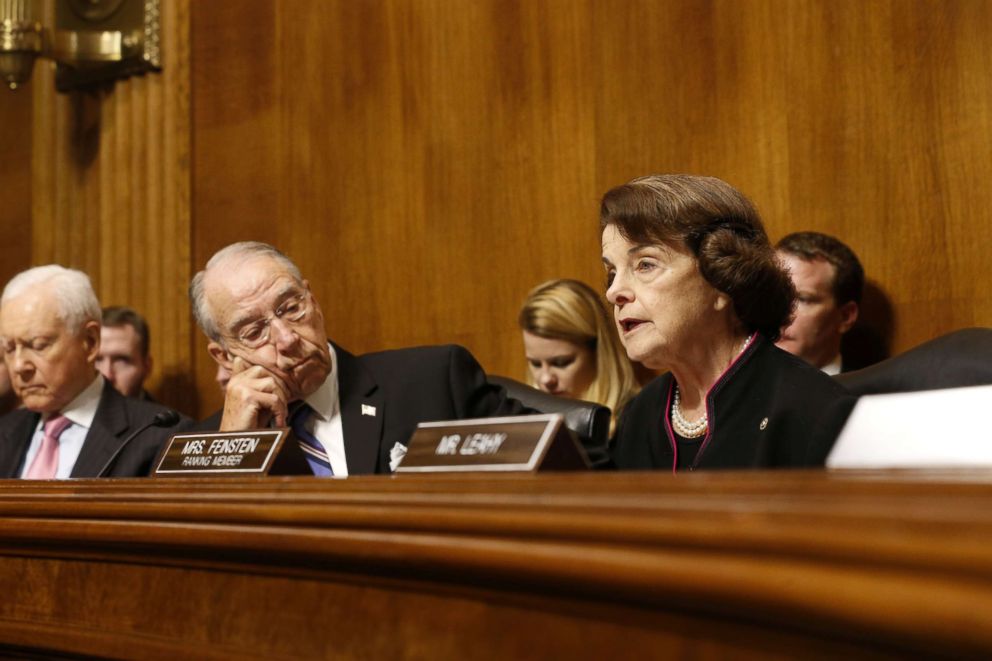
<point x="166" y="418"/>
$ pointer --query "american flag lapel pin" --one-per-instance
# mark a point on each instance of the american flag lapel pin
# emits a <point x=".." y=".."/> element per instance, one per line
<point x="368" y="410"/>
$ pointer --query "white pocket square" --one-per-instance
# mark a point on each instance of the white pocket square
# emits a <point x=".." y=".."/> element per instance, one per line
<point x="396" y="455"/>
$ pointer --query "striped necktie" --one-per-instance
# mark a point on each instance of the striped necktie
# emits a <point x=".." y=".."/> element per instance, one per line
<point x="313" y="450"/>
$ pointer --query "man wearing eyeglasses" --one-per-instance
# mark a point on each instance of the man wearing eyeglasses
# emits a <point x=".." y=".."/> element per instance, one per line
<point x="349" y="412"/>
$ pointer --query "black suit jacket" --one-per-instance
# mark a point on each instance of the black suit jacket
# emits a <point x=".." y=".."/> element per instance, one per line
<point x="770" y="409"/>
<point x="385" y="395"/>
<point x="117" y="417"/>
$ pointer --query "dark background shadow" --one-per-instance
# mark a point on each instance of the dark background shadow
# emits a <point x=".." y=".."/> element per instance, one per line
<point x="871" y="338"/>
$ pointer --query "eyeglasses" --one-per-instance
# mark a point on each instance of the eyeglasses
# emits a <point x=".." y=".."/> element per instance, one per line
<point x="293" y="311"/>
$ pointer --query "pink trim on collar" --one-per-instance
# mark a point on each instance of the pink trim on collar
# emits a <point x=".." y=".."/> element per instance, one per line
<point x="709" y="405"/>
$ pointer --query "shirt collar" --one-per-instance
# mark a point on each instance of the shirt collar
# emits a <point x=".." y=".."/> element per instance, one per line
<point x="833" y="367"/>
<point x="82" y="409"/>
<point x="324" y="400"/>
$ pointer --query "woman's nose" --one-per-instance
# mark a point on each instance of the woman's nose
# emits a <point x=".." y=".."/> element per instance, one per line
<point x="547" y="379"/>
<point x="618" y="293"/>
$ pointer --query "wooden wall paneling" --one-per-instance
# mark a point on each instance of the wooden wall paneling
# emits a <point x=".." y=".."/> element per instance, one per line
<point x="111" y="169"/>
<point x="428" y="162"/>
<point x="963" y="101"/>
<point x="406" y="197"/>
<point x="236" y="152"/>
<point x="177" y="332"/>
<point x="15" y="181"/>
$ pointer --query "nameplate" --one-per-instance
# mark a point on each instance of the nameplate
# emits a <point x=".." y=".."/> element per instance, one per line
<point x="511" y="444"/>
<point x="253" y="452"/>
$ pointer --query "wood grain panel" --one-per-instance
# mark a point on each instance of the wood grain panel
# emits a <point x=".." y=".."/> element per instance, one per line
<point x="428" y="161"/>
<point x="748" y="565"/>
<point x="111" y="188"/>
<point x="414" y="180"/>
<point x="15" y="181"/>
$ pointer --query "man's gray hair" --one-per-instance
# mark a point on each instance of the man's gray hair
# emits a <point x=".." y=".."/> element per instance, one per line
<point x="242" y="250"/>
<point x="73" y="291"/>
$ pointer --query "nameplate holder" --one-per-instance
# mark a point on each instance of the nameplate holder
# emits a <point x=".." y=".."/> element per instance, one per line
<point x="213" y="454"/>
<point x="525" y="443"/>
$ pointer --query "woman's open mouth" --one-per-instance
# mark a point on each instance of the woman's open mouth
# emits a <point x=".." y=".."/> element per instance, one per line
<point x="630" y="324"/>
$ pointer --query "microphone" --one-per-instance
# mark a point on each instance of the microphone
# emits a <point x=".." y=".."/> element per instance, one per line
<point x="166" y="418"/>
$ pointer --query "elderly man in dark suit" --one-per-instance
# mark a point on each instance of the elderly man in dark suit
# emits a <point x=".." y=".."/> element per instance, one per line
<point x="73" y="422"/>
<point x="352" y="414"/>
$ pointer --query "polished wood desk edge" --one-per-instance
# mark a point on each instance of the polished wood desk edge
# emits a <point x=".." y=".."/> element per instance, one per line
<point x="961" y="481"/>
<point x="885" y="556"/>
<point x="25" y="636"/>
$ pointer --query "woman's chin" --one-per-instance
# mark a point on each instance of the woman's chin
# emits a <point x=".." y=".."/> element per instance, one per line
<point x="644" y="355"/>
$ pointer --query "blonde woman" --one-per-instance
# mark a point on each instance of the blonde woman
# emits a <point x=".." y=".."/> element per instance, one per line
<point x="572" y="347"/>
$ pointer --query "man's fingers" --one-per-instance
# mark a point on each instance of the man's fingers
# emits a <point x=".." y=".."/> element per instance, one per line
<point x="254" y="397"/>
<point x="260" y="380"/>
<point x="282" y="417"/>
<point x="256" y="374"/>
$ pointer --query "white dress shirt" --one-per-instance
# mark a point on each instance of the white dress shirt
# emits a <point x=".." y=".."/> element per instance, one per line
<point x="833" y="367"/>
<point x="325" y="423"/>
<point x="80" y="412"/>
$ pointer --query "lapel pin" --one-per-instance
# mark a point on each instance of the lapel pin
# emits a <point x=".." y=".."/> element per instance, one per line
<point x="368" y="410"/>
<point x="764" y="423"/>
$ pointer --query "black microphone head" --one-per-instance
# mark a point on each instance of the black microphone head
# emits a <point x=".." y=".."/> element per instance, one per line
<point x="166" y="418"/>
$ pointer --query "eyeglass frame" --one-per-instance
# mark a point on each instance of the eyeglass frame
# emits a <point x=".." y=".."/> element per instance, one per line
<point x="280" y="313"/>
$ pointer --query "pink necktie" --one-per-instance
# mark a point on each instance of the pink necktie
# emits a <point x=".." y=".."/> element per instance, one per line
<point x="46" y="462"/>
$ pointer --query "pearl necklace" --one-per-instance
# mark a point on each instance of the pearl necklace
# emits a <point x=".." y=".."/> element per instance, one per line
<point x="683" y="427"/>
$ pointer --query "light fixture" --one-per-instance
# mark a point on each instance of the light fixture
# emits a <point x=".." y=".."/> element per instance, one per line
<point x="94" y="41"/>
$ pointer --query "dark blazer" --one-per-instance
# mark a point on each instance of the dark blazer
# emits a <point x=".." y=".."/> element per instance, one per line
<point x="117" y="417"/>
<point x="769" y="409"/>
<point x="405" y="387"/>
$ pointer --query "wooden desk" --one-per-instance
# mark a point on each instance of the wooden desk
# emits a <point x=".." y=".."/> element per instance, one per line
<point x="556" y="566"/>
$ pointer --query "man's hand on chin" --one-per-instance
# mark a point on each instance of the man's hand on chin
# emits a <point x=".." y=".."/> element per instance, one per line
<point x="255" y="398"/>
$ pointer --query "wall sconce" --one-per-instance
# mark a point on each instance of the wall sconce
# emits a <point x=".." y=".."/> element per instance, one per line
<point x="93" y="42"/>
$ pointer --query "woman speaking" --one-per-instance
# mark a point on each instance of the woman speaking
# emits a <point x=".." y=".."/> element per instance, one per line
<point x="696" y="290"/>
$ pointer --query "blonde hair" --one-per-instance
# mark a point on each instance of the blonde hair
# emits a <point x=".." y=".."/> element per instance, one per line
<point x="570" y="310"/>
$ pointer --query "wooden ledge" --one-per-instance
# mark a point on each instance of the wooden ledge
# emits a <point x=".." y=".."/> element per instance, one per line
<point x="864" y="562"/>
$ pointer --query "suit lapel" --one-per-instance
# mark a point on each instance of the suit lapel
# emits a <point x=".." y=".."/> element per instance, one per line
<point x="15" y="440"/>
<point x="109" y="426"/>
<point x="361" y="413"/>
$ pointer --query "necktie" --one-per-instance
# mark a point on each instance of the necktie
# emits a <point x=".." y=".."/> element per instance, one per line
<point x="313" y="450"/>
<point x="46" y="462"/>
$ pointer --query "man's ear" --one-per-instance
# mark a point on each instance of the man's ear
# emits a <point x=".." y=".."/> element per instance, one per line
<point x="848" y="315"/>
<point x="90" y="334"/>
<point x="219" y="354"/>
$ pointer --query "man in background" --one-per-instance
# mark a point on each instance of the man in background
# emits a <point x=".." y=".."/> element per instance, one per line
<point x="124" y="357"/>
<point x="829" y="281"/>
<point x="73" y="422"/>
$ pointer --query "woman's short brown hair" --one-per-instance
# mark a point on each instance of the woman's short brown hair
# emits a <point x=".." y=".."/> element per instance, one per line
<point x="722" y="229"/>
